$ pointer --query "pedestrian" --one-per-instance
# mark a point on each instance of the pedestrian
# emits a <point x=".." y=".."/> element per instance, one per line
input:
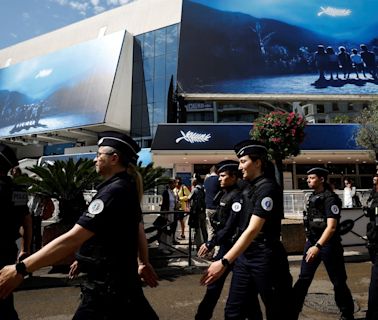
<point x="226" y="221"/>
<point x="321" y="221"/>
<point x="197" y="213"/>
<point x="261" y="263"/>
<point x="108" y="236"/>
<point x="348" y="193"/>
<point x="14" y="215"/>
<point x="169" y="201"/>
<point x="182" y="193"/>
<point x="212" y="187"/>
<point x="372" y="235"/>
<point x="41" y="208"/>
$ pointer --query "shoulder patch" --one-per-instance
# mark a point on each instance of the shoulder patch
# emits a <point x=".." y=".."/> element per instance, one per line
<point x="96" y="207"/>
<point x="335" y="209"/>
<point x="236" y="207"/>
<point x="267" y="203"/>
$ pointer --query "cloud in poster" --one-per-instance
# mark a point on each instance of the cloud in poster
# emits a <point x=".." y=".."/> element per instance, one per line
<point x="43" y="73"/>
<point x="349" y="19"/>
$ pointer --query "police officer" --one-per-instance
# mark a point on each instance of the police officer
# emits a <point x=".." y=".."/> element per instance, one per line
<point x="109" y="236"/>
<point x="323" y="244"/>
<point x="225" y="220"/>
<point x="14" y="214"/>
<point x="372" y="234"/>
<point x="260" y="259"/>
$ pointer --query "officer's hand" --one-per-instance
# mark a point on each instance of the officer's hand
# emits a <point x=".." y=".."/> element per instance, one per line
<point x="203" y="250"/>
<point x="312" y="253"/>
<point x="74" y="270"/>
<point x="213" y="273"/>
<point x="148" y="274"/>
<point x="9" y="280"/>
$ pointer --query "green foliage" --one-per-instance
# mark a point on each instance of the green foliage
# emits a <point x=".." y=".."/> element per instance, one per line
<point x="341" y="119"/>
<point x="281" y="132"/>
<point x="152" y="176"/>
<point x="65" y="181"/>
<point x="367" y="136"/>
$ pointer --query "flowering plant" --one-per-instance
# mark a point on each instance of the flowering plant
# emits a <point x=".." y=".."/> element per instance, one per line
<point x="281" y="132"/>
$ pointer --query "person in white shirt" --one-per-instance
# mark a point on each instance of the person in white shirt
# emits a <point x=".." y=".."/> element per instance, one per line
<point x="349" y="193"/>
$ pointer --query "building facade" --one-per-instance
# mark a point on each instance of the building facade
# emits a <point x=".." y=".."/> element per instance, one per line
<point x="199" y="63"/>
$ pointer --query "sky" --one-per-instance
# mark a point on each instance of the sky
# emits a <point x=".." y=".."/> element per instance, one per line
<point x="21" y="20"/>
<point x="347" y="19"/>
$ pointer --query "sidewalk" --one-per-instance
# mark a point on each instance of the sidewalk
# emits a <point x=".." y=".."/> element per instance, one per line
<point x="51" y="296"/>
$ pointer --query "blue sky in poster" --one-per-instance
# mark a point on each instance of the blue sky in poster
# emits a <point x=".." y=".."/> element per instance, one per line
<point x="343" y="19"/>
<point x="39" y="77"/>
<point x="25" y="19"/>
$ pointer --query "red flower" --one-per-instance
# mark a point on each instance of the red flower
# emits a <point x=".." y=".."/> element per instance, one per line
<point x="281" y="132"/>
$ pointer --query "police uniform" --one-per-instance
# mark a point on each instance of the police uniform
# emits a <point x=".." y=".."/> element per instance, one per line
<point x="372" y="234"/>
<point x="263" y="266"/>
<point x="14" y="208"/>
<point x="113" y="287"/>
<point x="322" y="206"/>
<point x="226" y="220"/>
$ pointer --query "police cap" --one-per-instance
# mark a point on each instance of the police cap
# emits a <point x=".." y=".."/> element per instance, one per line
<point x="8" y="158"/>
<point x="122" y="142"/>
<point x="320" y="172"/>
<point x="254" y="147"/>
<point x="227" y="165"/>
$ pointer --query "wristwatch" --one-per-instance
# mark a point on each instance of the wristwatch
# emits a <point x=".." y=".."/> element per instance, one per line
<point x="21" y="269"/>
<point x="318" y="245"/>
<point x="225" y="262"/>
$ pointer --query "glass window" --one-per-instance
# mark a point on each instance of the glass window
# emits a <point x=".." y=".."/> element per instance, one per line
<point x="160" y="42"/>
<point x="350" y="107"/>
<point x="171" y="65"/>
<point x="159" y="67"/>
<point x="367" y="168"/>
<point x="148" y="66"/>
<point x="335" y="107"/>
<point x="320" y="108"/>
<point x="148" y="45"/>
<point x="160" y="94"/>
<point x="159" y="113"/>
<point x="172" y="39"/>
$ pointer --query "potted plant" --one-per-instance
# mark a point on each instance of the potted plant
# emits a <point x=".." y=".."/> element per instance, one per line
<point x="282" y="133"/>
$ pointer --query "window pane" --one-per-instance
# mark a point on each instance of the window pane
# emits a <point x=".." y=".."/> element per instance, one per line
<point x="172" y="38"/>
<point x="148" y="45"/>
<point x="159" y="67"/>
<point x="160" y="42"/>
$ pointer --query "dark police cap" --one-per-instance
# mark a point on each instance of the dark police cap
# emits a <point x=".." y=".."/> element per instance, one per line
<point x="254" y="147"/>
<point x="227" y="165"/>
<point x="320" y="172"/>
<point x="8" y="158"/>
<point x="120" y="141"/>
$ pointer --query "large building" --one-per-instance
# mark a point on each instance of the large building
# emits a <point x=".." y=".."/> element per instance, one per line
<point x="159" y="69"/>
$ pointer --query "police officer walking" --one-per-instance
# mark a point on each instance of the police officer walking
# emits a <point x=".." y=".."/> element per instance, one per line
<point x="372" y="234"/>
<point x="225" y="220"/>
<point x="323" y="243"/>
<point x="260" y="259"/>
<point x="109" y="236"/>
<point x="14" y="214"/>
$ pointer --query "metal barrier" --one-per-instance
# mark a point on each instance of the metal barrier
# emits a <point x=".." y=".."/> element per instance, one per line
<point x="150" y="217"/>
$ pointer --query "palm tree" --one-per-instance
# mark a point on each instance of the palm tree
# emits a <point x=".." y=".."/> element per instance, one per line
<point x="152" y="177"/>
<point x="65" y="181"/>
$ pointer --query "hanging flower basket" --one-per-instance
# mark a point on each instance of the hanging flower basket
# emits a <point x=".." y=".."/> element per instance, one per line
<point x="281" y="132"/>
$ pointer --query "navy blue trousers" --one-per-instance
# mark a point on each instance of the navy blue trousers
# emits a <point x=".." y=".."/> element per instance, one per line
<point x="332" y="256"/>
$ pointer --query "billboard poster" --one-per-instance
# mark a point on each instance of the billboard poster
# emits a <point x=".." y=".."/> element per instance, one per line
<point x="64" y="89"/>
<point x="279" y="47"/>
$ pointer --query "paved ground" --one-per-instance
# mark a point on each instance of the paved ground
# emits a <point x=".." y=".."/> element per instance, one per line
<point x="50" y="296"/>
